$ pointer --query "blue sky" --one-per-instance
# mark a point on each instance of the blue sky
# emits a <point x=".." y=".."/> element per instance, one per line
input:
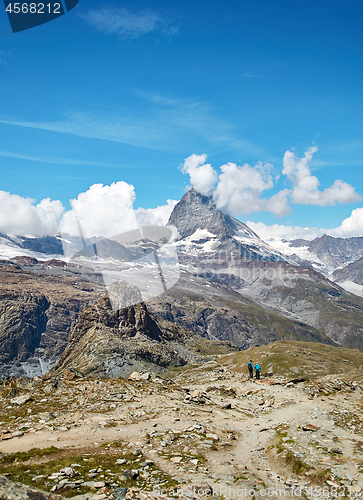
<point x="126" y="91"/>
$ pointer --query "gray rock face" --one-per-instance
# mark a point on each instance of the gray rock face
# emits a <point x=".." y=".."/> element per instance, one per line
<point x="224" y="235"/>
<point x="307" y="296"/>
<point x="196" y="211"/>
<point x="37" y="314"/>
<point x="332" y="251"/>
<point x="351" y="272"/>
<point x="113" y="343"/>
<point x="16" y="491"/>
<point x="215" y="311"/>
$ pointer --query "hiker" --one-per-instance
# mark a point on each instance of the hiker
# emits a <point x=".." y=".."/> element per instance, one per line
<point x="250" y="368"/>
<point x="258" y="370"/>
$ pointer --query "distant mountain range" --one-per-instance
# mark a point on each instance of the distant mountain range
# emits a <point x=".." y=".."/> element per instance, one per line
<point x="230" y="285"/>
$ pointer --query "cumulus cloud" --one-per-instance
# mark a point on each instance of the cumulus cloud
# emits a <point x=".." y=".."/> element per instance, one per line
<point x="102" y="211"/>
<point x="282" y="231"/>
<point x="21" y="216"/>
<point x="278" y="204"/>
<point x="108" y="210"/>
<point x="239" y="190"/>
<point x="202" y="175"/>
<point x="352" y="226"/>
<point x="305" y="189"/>
<point x="158" y="216"/>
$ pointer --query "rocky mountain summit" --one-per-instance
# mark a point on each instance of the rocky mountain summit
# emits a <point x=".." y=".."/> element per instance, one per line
<point x="208" y="235"/>
<point x="195" y="428"/>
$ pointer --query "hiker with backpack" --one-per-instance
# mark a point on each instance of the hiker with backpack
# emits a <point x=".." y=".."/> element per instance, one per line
<point x="258" y="370"/>
<point x="250" y="368"/>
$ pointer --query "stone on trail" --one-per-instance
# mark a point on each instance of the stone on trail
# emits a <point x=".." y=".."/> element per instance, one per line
<point x="310" y="427"/>
<point x="20" y="400"/>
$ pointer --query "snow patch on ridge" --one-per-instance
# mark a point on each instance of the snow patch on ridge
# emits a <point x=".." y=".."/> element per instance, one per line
<point x="351" y="287"/>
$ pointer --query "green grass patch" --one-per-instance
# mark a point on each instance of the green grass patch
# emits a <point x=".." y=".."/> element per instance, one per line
<point x="23" y="456"/>
<point x="88" y="459"/>
<point x="298" y="466"/>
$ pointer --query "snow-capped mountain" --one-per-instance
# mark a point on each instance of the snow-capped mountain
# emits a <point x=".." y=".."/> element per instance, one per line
<point x="206" y="234"/>
<point x="325" y="254"/>
<point x="210" y="243"/>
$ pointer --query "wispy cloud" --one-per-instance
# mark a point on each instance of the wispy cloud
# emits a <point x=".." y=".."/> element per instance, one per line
<point x="57" y="161"/>
<point x="250" y="74"/>
<point x="5" y="55"/>
<point x="161" y="123"/>
<point x="127" y="24"/>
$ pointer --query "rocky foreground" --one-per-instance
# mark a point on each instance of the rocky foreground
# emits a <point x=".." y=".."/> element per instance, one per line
<point x="209" y="430"/>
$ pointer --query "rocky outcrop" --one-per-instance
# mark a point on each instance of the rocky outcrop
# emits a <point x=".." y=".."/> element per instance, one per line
<point x="17" y="491"/>
<point x="112" y="343"/>
<point x="37" y="314"/>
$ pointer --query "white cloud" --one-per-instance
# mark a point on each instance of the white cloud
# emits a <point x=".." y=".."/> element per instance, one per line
<point x="278" y="204"/>
<point x="108" y="211"/>
<point x="102" y="211"/>
<point x="158" y="216"/>
<point x="267" y="233"/>
<point x="127" y="24"/>
<point x="239" y="188"/>
<point x="352" y="226"/>
<point x="305" y="189"/>
<point x="20" y="216"/>
<point x="202" y="175"/>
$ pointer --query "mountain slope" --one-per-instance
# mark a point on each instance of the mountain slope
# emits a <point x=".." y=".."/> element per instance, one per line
<point x="38" y="311"/>
<point x="250" y="267"/>
<point x="298" y="360"/>
<point x="350" y="277"/>
<point x="309" y="296"/>
<point x="215" y="311"/>
<point x="109" y="343"/>
<point x="332" y="252"/>
<point x="351" y="272"/>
